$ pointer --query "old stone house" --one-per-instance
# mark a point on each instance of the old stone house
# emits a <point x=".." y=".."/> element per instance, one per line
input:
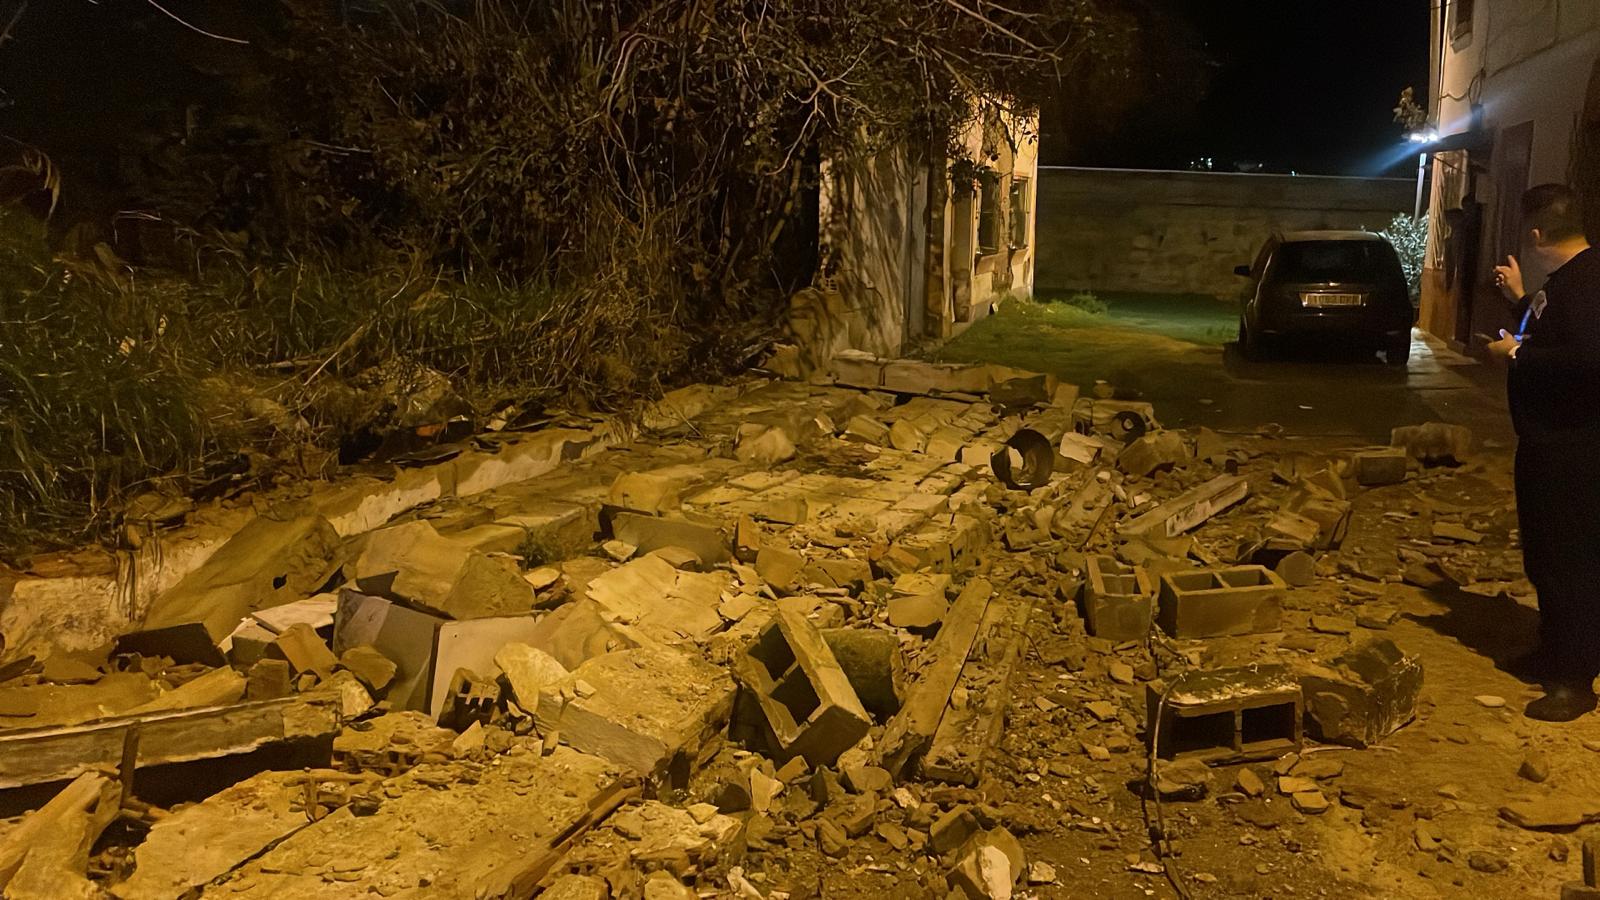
<point x="916" y="245"/>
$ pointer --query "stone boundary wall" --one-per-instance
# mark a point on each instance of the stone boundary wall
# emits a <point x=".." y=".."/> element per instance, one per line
<point x="1183" y="232"/>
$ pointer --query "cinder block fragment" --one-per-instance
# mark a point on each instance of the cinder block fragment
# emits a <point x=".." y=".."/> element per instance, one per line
<point x="1385" y="465"/>
<point x="1219" y="602"/>
<point x="1118" y="600"/>
<point x="1226" y="715"/>
<point x="1363" y="695"/>
<point x="1161" y="450"/>
<point x="809" y="706"/>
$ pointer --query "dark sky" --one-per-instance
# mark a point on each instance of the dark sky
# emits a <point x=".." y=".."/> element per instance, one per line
<point x="1303" y="85"/>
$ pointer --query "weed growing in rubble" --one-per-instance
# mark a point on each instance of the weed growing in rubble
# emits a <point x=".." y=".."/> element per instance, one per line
<point x="95" y="393"/>
<point x="1088" y="302"/>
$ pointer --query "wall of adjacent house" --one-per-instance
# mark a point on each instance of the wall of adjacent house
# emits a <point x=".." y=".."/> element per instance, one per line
<point x="1530" y="68"/>
<point x="1183" y="232"/>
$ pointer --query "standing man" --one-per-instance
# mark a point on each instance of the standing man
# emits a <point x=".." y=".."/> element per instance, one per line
<point x="1554" y="387"/>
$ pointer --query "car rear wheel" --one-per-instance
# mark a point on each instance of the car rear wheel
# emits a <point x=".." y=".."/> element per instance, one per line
<point x="1249" y="343"/>
<point x="1398" y="353"/>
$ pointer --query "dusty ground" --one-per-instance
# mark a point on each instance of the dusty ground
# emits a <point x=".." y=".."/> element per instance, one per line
<point x="1417" y="816"/>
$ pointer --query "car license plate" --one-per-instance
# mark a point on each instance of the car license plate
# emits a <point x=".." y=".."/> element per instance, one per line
<point x="1328" y="300"/>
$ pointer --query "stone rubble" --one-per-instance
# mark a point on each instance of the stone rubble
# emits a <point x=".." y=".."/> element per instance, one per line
<point x="806" y="628"/>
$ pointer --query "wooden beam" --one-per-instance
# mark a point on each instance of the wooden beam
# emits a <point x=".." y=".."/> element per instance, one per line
<point x="41" y="755"/>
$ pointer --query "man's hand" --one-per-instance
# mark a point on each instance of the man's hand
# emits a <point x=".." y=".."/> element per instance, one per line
<point x="1509" y="279"/>
<point x="1503" y="348"/>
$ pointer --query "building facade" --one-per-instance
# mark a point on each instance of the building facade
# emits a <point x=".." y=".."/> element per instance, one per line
<point x="916" y="245"/>
<point x="1515" y="93"/>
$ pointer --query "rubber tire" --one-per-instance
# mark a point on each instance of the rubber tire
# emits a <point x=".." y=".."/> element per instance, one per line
<point x="1249" y="344"/>
<point x="1398" y="355"/>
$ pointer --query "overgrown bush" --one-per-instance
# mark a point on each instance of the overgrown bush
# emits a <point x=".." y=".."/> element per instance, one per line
<point x="1410" y="239"/>
<point x="94" y="395"/>
<point x="537" y="198"/>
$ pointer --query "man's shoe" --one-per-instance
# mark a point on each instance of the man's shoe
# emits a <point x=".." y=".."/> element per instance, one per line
<point x="1562" y="703"/>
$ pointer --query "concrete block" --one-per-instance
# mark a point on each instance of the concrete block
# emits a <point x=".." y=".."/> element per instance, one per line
<point x="1118" y="601"/>
<point x="1374" y="468"/>
<point x="651" y="533"/>
<point x="857" y="368"/>
<point x="1363" y="695"/>
<point x="646" y="492"/>
<point x="909" y="376"/>
<point x="1153" y="452"/>
<point x="1023" y="391"/>
<point x="1435" y="443"/>
<point x="414" y="564"/>
<point x="866" y="430"/>
<point x="1226" y="715"/>
<point x="874" y="663"/>
<point x="767" y="446"/>
<point x="638" y="708"/>
<point x="809" y="706"/>
<point x="1219" y="602"/>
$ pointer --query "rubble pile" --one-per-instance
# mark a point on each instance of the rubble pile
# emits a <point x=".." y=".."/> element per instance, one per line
<point x="805" y="625"/>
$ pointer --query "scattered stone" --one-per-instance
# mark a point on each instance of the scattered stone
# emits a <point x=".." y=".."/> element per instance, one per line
<point x="1549" y="812"/>
<point x="1490" y="701"/>
<point x="621" y="551"/>
<point x="1366" y="694"/>
<point x="1104" y="710"/>
<point x="1041" y="872"/>
<point x="1446" y="531"/>
<point x="1535" y="767"/>
<point x="1486" y="861"/>
<point x="1330" y="625"/>
<point x="952" y="829"/>
<point x="1310" y="802"/>
<point x="1374" y="468"/>
<point x="1120" y="672"/>
<point x="375" y="670"/>
<point x="1249" y="783"/>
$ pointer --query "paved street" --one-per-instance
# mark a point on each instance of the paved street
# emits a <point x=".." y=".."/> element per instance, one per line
<point x="1177" y="353"/>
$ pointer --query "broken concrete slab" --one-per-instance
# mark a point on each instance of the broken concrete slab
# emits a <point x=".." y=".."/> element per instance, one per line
<point x="1189" y="509"/>
<point x="528" y="671"/>
<point x="651" y="533"/>
<point x="646" y="492"/>
<point x="270" y="561"/>
<point x="638" y="708"/>
<point x="442" y="842"/>
<point x="664" y="603"/>
<point x="38" y="755"/>
<point x="204" y="841"/>
<point x="414" y="564"/>
<point x="1362" y="696"/>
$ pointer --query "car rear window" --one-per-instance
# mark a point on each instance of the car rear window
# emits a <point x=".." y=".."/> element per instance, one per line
<point x="1335" y="261"/>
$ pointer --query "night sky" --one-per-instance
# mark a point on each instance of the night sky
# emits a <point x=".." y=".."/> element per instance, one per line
<point x="1296" y="85"/>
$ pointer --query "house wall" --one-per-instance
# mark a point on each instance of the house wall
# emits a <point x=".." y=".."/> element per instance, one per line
<point x="1183" y="232"/>
<point x="1527" y="68"/>
<point x="898" y="246"/>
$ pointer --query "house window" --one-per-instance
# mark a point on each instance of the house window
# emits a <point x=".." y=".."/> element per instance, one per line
<point x="1020" y="209"/>
<point x="1463" y="24"/>
<point x="988" y="212"/>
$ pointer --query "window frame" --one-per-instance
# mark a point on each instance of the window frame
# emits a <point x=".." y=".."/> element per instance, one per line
<point x="1021" y="217"/>
<point x="1462" y="14"/>
<point x="987" y="209"/>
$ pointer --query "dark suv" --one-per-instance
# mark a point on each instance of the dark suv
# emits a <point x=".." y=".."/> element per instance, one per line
<point x="1342" y="285"/>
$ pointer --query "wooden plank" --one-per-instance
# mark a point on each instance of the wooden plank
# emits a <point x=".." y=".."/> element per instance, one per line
<point x="966" y="734"/>
<point x="40" y="755"/>
<point x="907" y="735"/>
<point x="1189" y="509"/>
